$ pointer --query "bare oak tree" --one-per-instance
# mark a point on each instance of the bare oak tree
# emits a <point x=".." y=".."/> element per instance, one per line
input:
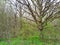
<point x="40" y="10"/>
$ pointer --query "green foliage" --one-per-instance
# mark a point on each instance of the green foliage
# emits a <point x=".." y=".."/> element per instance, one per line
<point x="51" y="32"/>
<point x="28" y="30"/>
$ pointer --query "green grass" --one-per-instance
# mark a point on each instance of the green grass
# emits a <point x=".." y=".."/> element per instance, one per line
<point x="23" y="42"/>
<point x="18" y="41"/>
<point x="30" y="41"/>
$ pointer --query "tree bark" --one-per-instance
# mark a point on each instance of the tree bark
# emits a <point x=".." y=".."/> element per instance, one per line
<point x="40" y="27"/>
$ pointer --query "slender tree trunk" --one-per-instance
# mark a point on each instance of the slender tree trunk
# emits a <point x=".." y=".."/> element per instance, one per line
<point x="40" y="27"/>
<point x="8" y="35"/>
<point x="15" y="25"/>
